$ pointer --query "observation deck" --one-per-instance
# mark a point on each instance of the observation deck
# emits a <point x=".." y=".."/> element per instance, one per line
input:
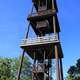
<point x="39" y="44"/>
<point x="42" y="16"/>
<point x="44" y="13"/>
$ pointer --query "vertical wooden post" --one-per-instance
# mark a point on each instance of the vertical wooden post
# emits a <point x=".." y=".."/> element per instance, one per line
<point x="57" y="64"/>
<point x="51" y="69"/>
<point x="61" y="69"/>
<point x="34" y="57"/>
<point x="56" y="48"/>
<point x="33" y="66"/>
<point x="44" y="63"/>
<point x="22" y="57"/>
<point x="20" y="67"/>
<point x="48" y="70"/>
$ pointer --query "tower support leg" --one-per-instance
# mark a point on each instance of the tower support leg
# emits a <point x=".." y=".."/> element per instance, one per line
<point x="20" y="67"/>
<point x="61" y="69"/>
<point x="57" y="64"/>
<point x="22" y="57"/>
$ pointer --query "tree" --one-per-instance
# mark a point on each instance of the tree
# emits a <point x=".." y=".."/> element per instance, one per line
<point x="5" y="69"/>
<point x="69" y="77"/>
<point x="74" y="71"/>
<point x="9" y="68"/>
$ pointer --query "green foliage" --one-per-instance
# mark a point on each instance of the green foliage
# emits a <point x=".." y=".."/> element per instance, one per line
<point x="9" y="68"/>
<point x="5" y="68"/>
<point x="74" y="71"/>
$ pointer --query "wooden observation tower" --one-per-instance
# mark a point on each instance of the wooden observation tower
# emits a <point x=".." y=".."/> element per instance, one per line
<point x="46" y="46"/>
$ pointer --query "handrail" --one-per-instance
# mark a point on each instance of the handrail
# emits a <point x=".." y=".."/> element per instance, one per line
<point x="40" y="39"/>
<point x="42" y="12"/>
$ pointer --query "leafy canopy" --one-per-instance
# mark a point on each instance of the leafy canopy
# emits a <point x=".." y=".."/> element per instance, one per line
<point x="9" y="68"/>
<point x="74" y="71"/>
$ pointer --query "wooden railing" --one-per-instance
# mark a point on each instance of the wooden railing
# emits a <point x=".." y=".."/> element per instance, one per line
<point x="44" y="12"/>
<point x="40" y="40"/>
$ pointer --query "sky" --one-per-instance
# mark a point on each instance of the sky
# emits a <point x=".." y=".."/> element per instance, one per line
<point x="13" y="26"/>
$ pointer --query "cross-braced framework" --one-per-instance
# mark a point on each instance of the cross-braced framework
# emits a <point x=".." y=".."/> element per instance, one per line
<point x="46" y="46"/>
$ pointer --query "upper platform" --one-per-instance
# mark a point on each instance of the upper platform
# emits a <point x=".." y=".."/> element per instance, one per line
<point x="41" y="44"/>
<point x="43" y="23"/>
<point x="45" y="4"/>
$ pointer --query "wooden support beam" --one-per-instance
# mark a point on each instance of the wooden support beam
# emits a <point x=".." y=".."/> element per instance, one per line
<point x="56" y="48"/>
<point x="56" y="53"/>
<point x="20" y="67"/>
<point x="48" y="70"/>
<point x="44" y="62"/>
<point x="61" y="69"/>
<point x="22" y="57"/>
<point x="57" y="64"/>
